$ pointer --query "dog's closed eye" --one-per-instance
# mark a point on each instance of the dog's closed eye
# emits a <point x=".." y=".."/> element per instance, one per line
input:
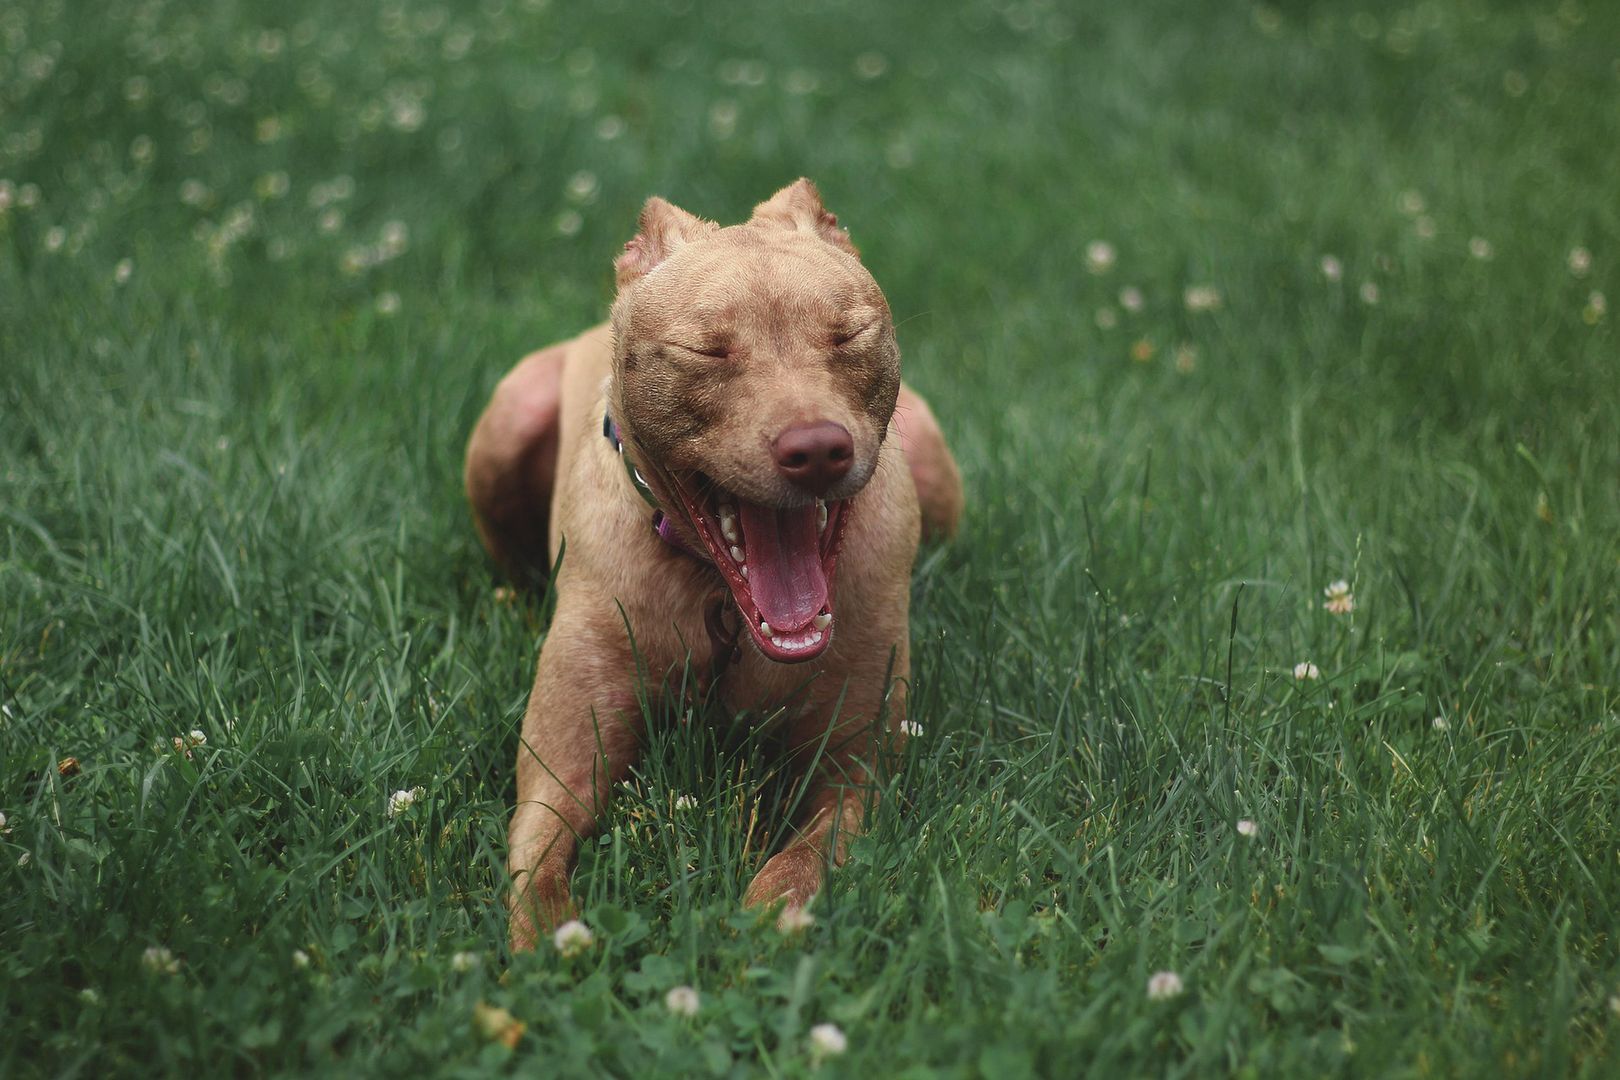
<point x="841" y="338"/>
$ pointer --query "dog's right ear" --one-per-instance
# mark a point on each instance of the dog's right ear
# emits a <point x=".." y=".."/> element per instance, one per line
<point x="665" y="227"/>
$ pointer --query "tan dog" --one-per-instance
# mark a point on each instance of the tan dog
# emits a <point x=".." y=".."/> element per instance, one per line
<point x="751" y="376"/>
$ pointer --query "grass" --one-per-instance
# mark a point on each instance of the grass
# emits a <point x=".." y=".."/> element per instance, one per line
<point x="257" y="278"/>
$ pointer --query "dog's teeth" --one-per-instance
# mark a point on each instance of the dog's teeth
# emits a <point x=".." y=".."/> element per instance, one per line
<point x="728" y="527"/>
<point x="743" y="570"/>
<point x="736" y="553"/>
<point x="815" y="638"/>
<point x="821" y="515"/>
<point x="778" y="643"/>
<point x="765" y="628"/>
<point x="823" y="621"/>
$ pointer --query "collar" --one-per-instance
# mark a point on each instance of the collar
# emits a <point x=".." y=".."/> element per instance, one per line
<point x="661" y="523"/>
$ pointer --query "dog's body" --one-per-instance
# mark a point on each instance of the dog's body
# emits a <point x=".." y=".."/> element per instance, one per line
<point x="751" y="376"/>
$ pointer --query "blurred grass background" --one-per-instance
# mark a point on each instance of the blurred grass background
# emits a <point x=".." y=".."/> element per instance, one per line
<point x="1217" y="303"/>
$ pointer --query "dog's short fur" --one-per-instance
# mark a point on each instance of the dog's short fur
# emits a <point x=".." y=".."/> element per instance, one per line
<point x="723" y="342"/>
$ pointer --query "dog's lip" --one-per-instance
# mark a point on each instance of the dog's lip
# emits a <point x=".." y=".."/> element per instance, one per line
<point x="708" y="507"/>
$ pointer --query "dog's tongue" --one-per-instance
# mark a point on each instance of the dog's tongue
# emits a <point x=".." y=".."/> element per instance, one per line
<point x="784" y="563"/>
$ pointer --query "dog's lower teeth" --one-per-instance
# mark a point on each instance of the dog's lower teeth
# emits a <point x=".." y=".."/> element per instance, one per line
<point x="765" y="628"/>
<point x="743" y="570"/>
<point x="800" y="644"/>
<point x="823" y="621"/>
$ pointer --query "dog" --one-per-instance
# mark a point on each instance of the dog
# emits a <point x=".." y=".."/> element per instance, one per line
<point x="738" y="481"/>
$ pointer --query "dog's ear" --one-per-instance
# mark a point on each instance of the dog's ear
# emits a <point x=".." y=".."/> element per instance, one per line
<point x="665" y="227"/>
<point x="798" y="207"/>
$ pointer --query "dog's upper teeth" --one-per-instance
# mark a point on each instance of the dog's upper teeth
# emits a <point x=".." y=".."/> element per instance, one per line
<point x="821" y="515"/>
<point x="728" y="526"/>
<point x="736" y="553"/>
<point x="823" y="620"/>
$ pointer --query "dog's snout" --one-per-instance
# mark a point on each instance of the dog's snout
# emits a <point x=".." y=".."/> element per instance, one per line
<point x="814" y="456"/>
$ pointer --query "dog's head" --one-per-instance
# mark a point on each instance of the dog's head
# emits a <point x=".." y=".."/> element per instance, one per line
<point x="755" y="372"/>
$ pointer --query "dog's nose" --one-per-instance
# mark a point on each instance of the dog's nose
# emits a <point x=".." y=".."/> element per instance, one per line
<point x="814" y="456"/>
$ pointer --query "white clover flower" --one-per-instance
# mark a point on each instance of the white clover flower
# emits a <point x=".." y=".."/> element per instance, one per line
<point x="794" y="920"/>
<point x="388" y="303"/>
<point x="159" y="959"/>
<point x="1597" y="306"/>
<point x="1306" y="670"/>
<point x="300" y="959"/>
<point x="682" y="1001"/>
<point x="1580" y="261"/>
<point x="685" y="802"/>
<point x="464" y="962"/>
<point x="90" y="996"/>
<point x="911" y="729"/>
<point x="1247" y="828"/>
<point x="1106" y="318"/>
<point x="1425" y="227"/>
<point x="1131" y="299"/>
<point x="1368" y="292"/>
<point x="123" y="271"/>
<point x="1340" y="600"/>
<point x="1614" y="1004"/>
<point x="1440" y="723"/>
<point x="196" y="737"/>
<point x="573" y="938"/>
<point x="827" y="1040"/>
<point x="1100" y="256"/>
<point x="1479" y="247"/>
<point x="1164" y="985"/>
<point x="1201" y="298"/>
<point x="3" y="828"/>
<point x="1332" y="268"/>
<point x="1411" y="203"/>
<point x="402" y="800"/>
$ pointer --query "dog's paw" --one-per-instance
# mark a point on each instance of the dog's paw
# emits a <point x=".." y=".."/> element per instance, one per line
<point x="539" y="904"/>
<point x="790" y="879"/>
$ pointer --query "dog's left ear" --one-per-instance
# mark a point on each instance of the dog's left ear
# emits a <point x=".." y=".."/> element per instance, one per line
<point x="798" y="207"/>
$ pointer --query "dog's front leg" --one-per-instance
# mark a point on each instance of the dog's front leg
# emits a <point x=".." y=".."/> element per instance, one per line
<point x="581" y="734"/>
<point x="838" y="793"/>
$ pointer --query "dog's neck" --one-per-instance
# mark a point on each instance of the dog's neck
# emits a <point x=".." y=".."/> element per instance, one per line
<point x="661" y="522"/>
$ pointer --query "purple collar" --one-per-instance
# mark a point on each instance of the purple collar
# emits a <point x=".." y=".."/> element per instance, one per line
<point x="661" y="522"/>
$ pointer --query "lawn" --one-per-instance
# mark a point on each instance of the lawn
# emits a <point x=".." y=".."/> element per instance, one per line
<point x="1218" y="304"/>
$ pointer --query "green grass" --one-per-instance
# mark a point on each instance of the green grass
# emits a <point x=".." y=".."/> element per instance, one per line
<point x="230" y="501"/>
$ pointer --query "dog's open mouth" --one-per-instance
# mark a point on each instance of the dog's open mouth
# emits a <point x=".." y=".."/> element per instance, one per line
<point x="778" y="562"/>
